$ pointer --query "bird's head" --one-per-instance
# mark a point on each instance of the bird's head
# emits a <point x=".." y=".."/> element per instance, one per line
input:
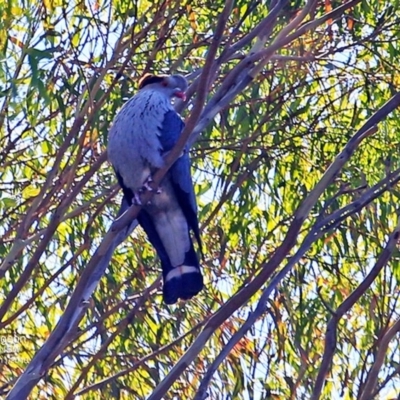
<point x="170" y="85"/>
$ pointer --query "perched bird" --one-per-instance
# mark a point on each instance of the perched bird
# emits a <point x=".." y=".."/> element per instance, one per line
<point x="144" y="130"/>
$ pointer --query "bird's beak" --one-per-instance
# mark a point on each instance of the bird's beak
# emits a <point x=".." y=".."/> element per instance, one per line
<point x="180" y="94"/>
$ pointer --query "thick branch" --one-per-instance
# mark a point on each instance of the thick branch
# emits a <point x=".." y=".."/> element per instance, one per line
<point x="242" y="297"/>
<point x="331" y="329"/>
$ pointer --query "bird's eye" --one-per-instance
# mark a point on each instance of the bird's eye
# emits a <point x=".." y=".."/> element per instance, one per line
<point x="165" y="83"/>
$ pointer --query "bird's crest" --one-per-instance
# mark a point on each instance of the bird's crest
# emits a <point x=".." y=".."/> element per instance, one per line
<point x="148" y="79"/>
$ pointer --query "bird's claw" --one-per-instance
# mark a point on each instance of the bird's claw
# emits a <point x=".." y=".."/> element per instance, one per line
<point x="146" y="186"/>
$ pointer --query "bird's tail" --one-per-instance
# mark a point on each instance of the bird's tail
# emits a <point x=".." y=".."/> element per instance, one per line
<point x="183" y="282"/>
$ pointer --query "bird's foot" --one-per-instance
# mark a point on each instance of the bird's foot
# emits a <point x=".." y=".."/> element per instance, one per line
<point x="146" y="186"/>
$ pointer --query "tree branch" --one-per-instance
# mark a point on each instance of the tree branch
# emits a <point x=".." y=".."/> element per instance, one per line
<point x="331" y="329"/>
<point x="281" y="253"/>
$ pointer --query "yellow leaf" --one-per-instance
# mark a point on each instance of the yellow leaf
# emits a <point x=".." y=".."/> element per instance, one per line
<point x="29" y="192"/>
<point x="192" y="20"/>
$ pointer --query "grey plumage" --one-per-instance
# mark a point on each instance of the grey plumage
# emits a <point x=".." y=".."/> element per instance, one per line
<point x="138" y="145"/>
<point x="147" y="127"/>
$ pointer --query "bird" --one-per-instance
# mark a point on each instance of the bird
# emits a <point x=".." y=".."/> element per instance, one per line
<point x="146" y="128"/>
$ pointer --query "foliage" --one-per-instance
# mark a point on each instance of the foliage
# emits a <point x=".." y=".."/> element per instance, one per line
<point x="290" y="84"/>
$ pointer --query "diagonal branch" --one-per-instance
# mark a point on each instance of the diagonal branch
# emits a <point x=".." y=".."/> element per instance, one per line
<point x="201" y="94"/>
<point x="331" y="329"/>
<point x="118" y="232"/>
<point x="315" y="233"/>
<point x="77" y="305"/>
<point x="245" y="72"/>
<point x="243" y="296"/>
<point x="372" y="378"/>
<point x="117" y="331"/>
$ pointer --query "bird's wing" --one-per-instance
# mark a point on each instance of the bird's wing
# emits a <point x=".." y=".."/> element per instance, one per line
<point x="179" y="172"/>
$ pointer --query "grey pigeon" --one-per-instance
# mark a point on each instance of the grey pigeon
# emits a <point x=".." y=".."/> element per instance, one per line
<point x="144" y="130"/>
